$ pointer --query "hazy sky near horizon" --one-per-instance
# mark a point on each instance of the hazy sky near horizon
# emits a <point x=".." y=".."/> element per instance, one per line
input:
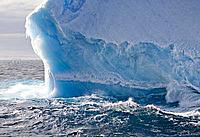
<point x="13" y="41"/>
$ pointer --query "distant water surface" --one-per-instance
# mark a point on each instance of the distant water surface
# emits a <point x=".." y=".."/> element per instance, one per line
<point x="21" y="70"/>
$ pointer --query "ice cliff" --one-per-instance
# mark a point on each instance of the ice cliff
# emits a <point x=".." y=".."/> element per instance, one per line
<point x="118" y="46"/>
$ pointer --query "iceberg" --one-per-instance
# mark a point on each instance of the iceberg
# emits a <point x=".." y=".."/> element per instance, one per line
<point x="118" y="47"/>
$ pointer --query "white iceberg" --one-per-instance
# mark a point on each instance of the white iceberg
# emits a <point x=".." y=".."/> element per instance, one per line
<point x="121" y="47"/>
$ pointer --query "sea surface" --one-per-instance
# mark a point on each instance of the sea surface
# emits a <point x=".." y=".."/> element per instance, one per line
<point x="26" y="110"/>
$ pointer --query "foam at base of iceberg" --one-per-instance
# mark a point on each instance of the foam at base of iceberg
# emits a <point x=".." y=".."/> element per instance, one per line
<point x="28" y="89"/>
<point x="64" y="33"/>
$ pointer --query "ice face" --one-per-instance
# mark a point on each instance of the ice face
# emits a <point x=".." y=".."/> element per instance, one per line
<point x="94" y="46"/>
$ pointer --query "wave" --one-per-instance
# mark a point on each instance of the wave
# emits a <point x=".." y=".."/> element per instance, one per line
<point x="23" y="90"/>
<point x="92" y="114"/>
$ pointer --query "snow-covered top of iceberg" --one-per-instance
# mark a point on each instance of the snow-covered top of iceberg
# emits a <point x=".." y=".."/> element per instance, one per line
<point x="161" y="22"/>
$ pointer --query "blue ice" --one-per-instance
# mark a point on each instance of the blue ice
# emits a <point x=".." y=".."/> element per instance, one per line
<point x="118" y="47"/>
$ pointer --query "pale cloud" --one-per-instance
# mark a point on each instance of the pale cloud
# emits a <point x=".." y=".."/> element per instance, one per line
<point x="17" y="7"/>
<point x="12" y="32"/>
<point x="15" y="3"/>
<point x="13" y="14"/>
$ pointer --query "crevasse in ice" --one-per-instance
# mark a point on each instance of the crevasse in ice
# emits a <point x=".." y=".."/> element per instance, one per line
<point x="118" y="47"/>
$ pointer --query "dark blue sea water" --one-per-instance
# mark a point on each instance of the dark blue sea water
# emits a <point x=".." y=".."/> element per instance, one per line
<point x="25" y="110"/>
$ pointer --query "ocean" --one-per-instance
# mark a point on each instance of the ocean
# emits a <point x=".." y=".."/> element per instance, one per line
<point x="26" y="110"/>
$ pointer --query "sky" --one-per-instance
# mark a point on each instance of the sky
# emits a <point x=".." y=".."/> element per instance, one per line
<point x="13" y="41"/>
